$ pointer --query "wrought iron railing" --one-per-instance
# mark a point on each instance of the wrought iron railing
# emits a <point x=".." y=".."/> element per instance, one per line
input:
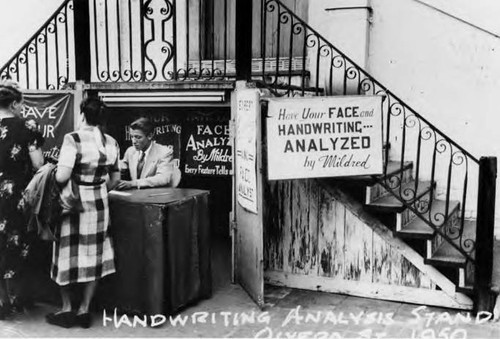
<point x="46" y="61"/>
<point x="161" y="40"/>
<point x="172" y="40"/>
<point x="435" y="157"/>
<point x="144" y="41"/>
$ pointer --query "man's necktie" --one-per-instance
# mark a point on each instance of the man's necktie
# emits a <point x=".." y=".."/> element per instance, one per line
<point x="140" y="164"/>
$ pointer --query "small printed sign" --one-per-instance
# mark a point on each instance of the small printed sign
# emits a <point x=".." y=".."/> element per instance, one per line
<point x="324" y="137"/>
<point x="248" y="106"/>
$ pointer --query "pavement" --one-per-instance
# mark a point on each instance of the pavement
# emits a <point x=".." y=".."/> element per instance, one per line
<point x="289" y="313"/>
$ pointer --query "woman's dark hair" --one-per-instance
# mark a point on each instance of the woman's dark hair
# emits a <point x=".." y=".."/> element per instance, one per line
<point x="9" y="92"/>
<point x="143" y="124"/>
<point x="93" y="109"/>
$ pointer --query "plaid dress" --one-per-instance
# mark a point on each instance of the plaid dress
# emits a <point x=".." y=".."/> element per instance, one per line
<point x="84" y="251"/>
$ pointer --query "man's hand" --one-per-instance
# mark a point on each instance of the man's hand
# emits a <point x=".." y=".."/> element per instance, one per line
<point x="124" y="185"/>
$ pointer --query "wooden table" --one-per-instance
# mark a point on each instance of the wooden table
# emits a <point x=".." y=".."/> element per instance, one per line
<point x="161" y="238"/>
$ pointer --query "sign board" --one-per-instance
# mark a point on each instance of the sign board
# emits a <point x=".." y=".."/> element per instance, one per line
<point x="248" y="236"/>
<point x="247" y="109"/>
<point x="54" y="114"/>
<point x="324" y="137"/>
<point x="207" y="150"/>
<point x="199" y="137"/>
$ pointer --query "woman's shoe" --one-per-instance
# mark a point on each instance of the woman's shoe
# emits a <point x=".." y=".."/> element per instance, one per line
<point x="84" y="320"/>
<point x="63" y="319"/>
<point x="5" y="310"/>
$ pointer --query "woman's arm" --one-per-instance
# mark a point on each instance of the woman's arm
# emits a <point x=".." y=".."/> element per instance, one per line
<point x="67" y="158"/>
<point x="114" y="179"/>
<point x="63" y="174"/>
<point x="36" y="156"/>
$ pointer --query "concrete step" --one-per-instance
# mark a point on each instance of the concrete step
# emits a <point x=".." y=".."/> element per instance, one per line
<point x="442" y="252"/>
<point x="408" y="224"/>
<point x="410" y="192"/>
<point x="395" y="174"/>
<point x="417" y="228"/>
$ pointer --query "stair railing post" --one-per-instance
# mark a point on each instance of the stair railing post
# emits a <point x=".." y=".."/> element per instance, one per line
<point x="485" y="233"/>
<point x="244" y="40"/>
<point x="82" y="39"/>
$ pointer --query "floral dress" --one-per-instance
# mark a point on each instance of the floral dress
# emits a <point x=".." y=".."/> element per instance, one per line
<point x="17" y="137"/>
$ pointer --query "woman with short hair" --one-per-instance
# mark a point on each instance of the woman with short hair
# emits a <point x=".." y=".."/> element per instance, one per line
<point x="20" y="155"/>
<point x="83" y="253"/>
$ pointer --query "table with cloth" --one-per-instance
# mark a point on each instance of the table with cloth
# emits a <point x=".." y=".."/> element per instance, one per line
<point x="161" y="238"/>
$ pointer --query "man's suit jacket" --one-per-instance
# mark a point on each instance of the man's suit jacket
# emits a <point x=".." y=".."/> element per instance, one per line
<point x="158" y="166"/>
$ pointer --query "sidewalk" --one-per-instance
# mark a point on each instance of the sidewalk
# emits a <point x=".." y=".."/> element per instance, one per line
<point x="289" y="313"/>
<point x="231" y="313"/>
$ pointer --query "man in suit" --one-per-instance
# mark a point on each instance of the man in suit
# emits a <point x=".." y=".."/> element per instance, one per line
<point x="149" y="164"/>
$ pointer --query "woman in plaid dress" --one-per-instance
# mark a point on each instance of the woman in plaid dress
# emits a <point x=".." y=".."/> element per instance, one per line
<point x="84" y="253"/>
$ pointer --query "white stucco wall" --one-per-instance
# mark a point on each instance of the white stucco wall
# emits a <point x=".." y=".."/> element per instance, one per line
<point x="20" y="20"/>
<point x="346" y="23"/>
<point x="443" y="67"/>
<point x="444" y="62"/>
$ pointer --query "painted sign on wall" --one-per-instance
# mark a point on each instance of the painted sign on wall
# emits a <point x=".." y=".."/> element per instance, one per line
<point x="247" y="108"/>
<point x="54" y="114"/>
<point x="324" y="137"/>
<point x="207" y="150"/>
<point x="199" y="137"/>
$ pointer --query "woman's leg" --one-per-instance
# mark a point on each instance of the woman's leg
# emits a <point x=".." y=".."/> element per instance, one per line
<point x="4" y="299"/>
<point x="64" y="317"/>
<point x="88" y="293"/>
<point x="66" y="299"/>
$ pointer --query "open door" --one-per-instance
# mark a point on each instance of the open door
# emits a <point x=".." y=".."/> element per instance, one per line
<point x="248" y="232"/>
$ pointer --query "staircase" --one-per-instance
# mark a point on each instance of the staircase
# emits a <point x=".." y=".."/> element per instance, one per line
<point x="438" y="223"/>
<point x="434" y="233"/>
<point x="429" y="184"/>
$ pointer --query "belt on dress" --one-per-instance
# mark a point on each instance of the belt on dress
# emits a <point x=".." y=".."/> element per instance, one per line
<point x="85" y="183"/>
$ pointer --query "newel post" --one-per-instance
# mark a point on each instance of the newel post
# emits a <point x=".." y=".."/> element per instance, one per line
<point x="485" y="233"/>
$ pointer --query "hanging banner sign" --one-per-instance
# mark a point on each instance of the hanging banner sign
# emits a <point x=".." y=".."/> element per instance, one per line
<point x="247" y="109"/>
<point x="324" y="137"/>
<point x="54" y="114"/>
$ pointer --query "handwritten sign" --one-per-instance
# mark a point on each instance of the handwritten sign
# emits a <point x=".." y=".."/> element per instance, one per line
<point x="301" y="322"/>
<point x="324" y="137"/>
<point x="54" y="114"/>
<point x="207" y="150"/>
<point x="247" y="108"/>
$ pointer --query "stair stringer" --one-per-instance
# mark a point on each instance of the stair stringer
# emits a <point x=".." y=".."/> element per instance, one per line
<point x="420" y="286"/>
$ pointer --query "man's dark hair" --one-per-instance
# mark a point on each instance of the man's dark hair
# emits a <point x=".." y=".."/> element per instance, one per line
<point x="143" y="124"/>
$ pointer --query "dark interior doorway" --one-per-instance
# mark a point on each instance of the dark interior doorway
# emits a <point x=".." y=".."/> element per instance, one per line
<point x="200" y="140"/>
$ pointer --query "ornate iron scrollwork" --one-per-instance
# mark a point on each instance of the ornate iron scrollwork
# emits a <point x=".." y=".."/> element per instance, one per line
<point x="148" y="48"/>
<point x="43" y="62"/>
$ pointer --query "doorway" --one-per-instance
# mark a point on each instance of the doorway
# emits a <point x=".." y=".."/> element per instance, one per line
<point x="199" y="137"/>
